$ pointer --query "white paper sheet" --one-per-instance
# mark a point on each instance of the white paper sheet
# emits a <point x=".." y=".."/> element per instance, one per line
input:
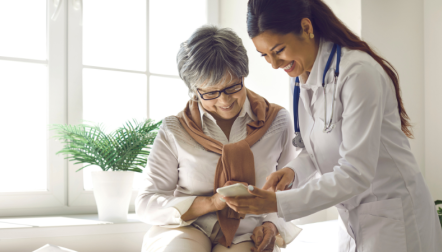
<point x="53" y="248"/>
<point x="316" y="237"/>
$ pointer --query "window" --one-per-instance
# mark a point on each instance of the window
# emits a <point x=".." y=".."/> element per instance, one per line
<point x="32" y="96"/>
<point x="101" y="61"/>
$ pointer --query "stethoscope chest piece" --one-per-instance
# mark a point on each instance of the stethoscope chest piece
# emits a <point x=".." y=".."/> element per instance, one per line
<point x="298" y="142"/>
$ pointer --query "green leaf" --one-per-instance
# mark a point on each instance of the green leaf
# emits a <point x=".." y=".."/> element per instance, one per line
<point x="127" y="148"/>
<point x="438" y="202"/>
<point x="136" y="170"/>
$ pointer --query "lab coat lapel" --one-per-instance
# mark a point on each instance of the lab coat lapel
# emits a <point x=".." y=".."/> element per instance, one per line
<point x="305" y="99"/>
<point x="315" y="78"/>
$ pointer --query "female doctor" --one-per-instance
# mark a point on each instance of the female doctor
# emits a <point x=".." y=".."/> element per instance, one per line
<point x="351" y="133"/>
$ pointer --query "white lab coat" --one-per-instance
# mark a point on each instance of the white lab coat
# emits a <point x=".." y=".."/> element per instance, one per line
<point x="364" y="166"/>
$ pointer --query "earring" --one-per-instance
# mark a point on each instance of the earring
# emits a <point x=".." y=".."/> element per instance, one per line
<point x="312" y="36"/>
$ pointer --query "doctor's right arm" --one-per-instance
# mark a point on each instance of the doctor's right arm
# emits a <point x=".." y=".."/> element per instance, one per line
<point x="302" y="168"/>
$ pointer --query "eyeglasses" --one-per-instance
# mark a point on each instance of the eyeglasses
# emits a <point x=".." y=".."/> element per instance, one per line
<point x="228" y="91"/>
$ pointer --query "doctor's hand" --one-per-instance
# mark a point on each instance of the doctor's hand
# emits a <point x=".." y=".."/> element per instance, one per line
<point x="263" y="202"/>
<point x="279" y="180"/>
<point x="264" y="237"/>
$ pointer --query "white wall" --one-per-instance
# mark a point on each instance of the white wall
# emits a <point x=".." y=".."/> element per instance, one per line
<point x="349" y="12"/>
<point x="409" y="34"/>
<point x="394" y="29"/>
<point x="432" y="28"/>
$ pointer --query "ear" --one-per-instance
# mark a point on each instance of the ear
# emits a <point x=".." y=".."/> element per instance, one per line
<point x="307" y="26"/>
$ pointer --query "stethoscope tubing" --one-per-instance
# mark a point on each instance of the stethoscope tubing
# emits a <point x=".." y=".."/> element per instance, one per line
<point x="296" y="94"/>
<point x="328" y="124"/>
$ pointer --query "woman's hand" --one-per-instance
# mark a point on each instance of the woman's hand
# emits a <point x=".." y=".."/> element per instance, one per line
<point x="203" y="204"/>
<point x="264" y="237"/>
<point x="218" y="201"/>
<point x="263" y="202"/>
<point x="279" y="180"/>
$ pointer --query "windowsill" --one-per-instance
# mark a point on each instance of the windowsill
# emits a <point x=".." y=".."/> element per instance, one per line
<point x="28" y="230"/>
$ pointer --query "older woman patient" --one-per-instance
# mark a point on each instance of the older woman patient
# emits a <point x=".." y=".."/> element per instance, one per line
<point x="226" y="134"/>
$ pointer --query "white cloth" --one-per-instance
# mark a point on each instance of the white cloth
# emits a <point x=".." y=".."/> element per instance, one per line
<point x="179" y="170"/>
<point x="364" y="166"/>
<point x="189" y="239"/>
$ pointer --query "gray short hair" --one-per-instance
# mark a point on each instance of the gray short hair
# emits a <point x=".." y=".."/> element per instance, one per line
<point x="209" y="56"/>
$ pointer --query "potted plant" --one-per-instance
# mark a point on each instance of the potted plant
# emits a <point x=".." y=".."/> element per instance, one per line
<point x="119" y="154"/>
<point x="439" y="210"/>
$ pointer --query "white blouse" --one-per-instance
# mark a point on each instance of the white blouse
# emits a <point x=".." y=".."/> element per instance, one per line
<point x="180" y="169"/>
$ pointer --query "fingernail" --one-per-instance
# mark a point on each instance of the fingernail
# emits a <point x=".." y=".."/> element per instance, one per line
<point x="290" y="184"/>
<point x="222" y="199"/>
<point x="251" y="188"/>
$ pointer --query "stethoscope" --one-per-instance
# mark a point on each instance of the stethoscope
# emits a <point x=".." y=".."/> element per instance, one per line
<point x="328" y="124"/>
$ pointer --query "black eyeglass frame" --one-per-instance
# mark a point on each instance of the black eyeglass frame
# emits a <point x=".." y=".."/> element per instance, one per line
<point x="221" y="91"/>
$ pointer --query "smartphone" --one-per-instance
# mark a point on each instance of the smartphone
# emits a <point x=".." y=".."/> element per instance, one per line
<point x="239" y="190"/>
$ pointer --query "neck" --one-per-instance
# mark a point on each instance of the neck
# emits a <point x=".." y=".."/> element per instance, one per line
<point x="225" y="125"/>
<point x="314" y="54"/>
<point x="220" y="120"/>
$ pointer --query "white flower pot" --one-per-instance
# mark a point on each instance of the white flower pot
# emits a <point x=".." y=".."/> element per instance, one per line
<point x="112" y="191"/>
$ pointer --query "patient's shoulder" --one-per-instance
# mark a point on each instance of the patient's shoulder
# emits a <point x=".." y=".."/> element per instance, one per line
<point x="171" y="123"/>
<point x="281" y="122"/>
<point x="173" y="128"/>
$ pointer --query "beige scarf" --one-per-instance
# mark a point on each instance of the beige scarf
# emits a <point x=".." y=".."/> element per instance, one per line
<point x="236" y="162"/>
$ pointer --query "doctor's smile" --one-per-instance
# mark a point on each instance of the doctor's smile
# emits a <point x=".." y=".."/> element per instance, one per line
<point x="294" y="54"/>
<point x="289" y="67"/>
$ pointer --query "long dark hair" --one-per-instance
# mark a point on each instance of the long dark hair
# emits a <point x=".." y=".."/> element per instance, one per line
<point x="284" y="16"/>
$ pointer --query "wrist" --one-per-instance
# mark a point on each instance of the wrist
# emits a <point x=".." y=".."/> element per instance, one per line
<point x="212" y="202"/>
